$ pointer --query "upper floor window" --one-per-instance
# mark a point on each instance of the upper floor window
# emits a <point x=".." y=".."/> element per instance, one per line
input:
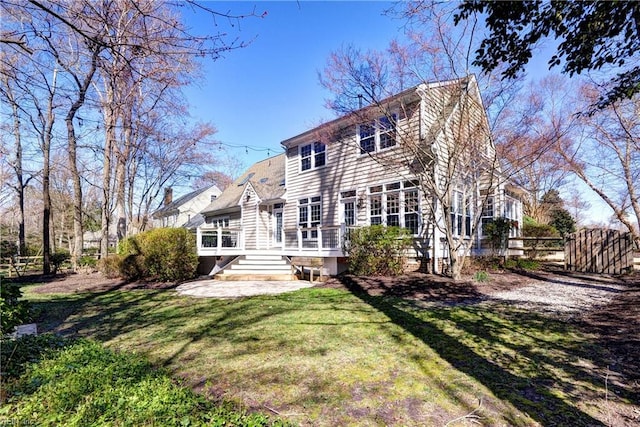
<point x="377" y="135"/>
<point x="313" y="156"/>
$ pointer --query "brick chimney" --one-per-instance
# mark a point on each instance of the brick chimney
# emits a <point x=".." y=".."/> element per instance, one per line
<point x="168" y="195"/>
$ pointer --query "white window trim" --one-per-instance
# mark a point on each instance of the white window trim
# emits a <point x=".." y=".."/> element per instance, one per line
<point x="307" y="227"/>
<point x="377" y="133"/>
<point x="465" y="213"/>
<point x="349" y="199"/>
<point x="312" y="157"/>
<point x="402" y="212"/>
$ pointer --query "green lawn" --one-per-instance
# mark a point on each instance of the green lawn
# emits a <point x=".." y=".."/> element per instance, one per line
<point x="328" y="357"/>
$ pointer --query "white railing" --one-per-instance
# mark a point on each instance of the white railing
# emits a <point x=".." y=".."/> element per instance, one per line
<point x="218" y="239"/>
<point x="321" y="240"/>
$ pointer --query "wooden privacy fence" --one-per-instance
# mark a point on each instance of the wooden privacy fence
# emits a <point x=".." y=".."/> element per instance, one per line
<point x="599" y="251"/>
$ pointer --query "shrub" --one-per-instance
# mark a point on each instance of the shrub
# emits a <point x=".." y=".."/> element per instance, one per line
<point x="522" y="264"/>
<point x="165" y="254"/>
<point x="58" y="258"/>
<point x="481" y="276"/>
<point x="497" y="232"/>
<point x="377" y="250"/>
<point x="110" y="266"/>
<point x="562" y="221"/>
<point x="8" y="248"/>
<point x="87" y="261"/>
<point x="13" y="311"/>
<point x="539" y="230"/>
<point x="86" y="384"/>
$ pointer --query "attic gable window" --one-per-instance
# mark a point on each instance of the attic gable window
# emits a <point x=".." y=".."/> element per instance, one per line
<point x="313" y="156"/>
<point x="378" y="135"/>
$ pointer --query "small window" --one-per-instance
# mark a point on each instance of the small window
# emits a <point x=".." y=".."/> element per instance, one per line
<point x="387" y="130"/>
<point x="320" y="157"/>
<point x="313" y="156"/>
<point x="348" y="194"/>
<point x="375" y="210"/>
<point x="367" y="138"/>
<point x="393" y="186"/>
<point x="378" y="135"/>
<point x="305" y="157"/>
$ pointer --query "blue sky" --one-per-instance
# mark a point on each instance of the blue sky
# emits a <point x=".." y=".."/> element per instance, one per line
<point x="269" y="91"/>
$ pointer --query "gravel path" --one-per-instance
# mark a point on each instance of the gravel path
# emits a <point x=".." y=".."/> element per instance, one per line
<point x="561" y="295"/>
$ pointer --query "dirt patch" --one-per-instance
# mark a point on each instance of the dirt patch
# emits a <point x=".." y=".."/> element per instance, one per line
<point x="88" y="282"/>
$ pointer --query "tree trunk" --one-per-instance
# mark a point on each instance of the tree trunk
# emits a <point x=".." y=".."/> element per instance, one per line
<point x="83" y="87"/>
<point x="46" y="194"/>
<point x="110" y="136"/>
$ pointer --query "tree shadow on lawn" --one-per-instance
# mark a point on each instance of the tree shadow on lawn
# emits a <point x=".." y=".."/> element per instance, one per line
<point x="535" y="393"/>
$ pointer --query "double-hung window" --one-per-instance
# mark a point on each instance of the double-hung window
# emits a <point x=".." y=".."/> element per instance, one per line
<point x="511" y="212"/>
<point x="309" y="216"/>
<point x="487" y="213"/>
<point x="375" y="205"/>
<point x="395" y="204"/>
<point x="313" y="156"/>
<point x="460" y="215"/>
<point x="378" y="134"/>
<point x="411" y="205"/>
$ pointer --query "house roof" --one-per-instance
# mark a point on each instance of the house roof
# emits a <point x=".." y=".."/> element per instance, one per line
<point x="413" y="93"/>
<point x="195" y="221"/>
<point x="173" y="207"/>
<point x="265" y="177"/>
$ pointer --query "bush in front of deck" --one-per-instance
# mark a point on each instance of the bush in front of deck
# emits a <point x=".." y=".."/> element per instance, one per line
<point x="377" y="250"/>
<point x="164" y="254"/>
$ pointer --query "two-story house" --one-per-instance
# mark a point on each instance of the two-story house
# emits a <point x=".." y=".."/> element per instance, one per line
<point x="374" y="166"/>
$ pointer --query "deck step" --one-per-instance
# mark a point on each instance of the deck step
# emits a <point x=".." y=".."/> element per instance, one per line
<point x="242" y="269"/>
<point x="265" y="262"/>
<point x="256" y="277"/>
<point x="258" y="267"/>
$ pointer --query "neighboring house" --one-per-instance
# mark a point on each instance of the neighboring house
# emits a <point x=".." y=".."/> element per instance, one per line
<point x="92" y="239"/>
<point x="184" y="211"/>
<point x="333" y="178"/>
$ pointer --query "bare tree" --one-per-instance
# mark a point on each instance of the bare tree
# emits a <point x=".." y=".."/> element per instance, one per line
<point x="144" y="54"/>
<point x="9" y="93"/>
<point x="607" y="157"/>
<point x="530" y="129"/>
<point x="455" y="161"/>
